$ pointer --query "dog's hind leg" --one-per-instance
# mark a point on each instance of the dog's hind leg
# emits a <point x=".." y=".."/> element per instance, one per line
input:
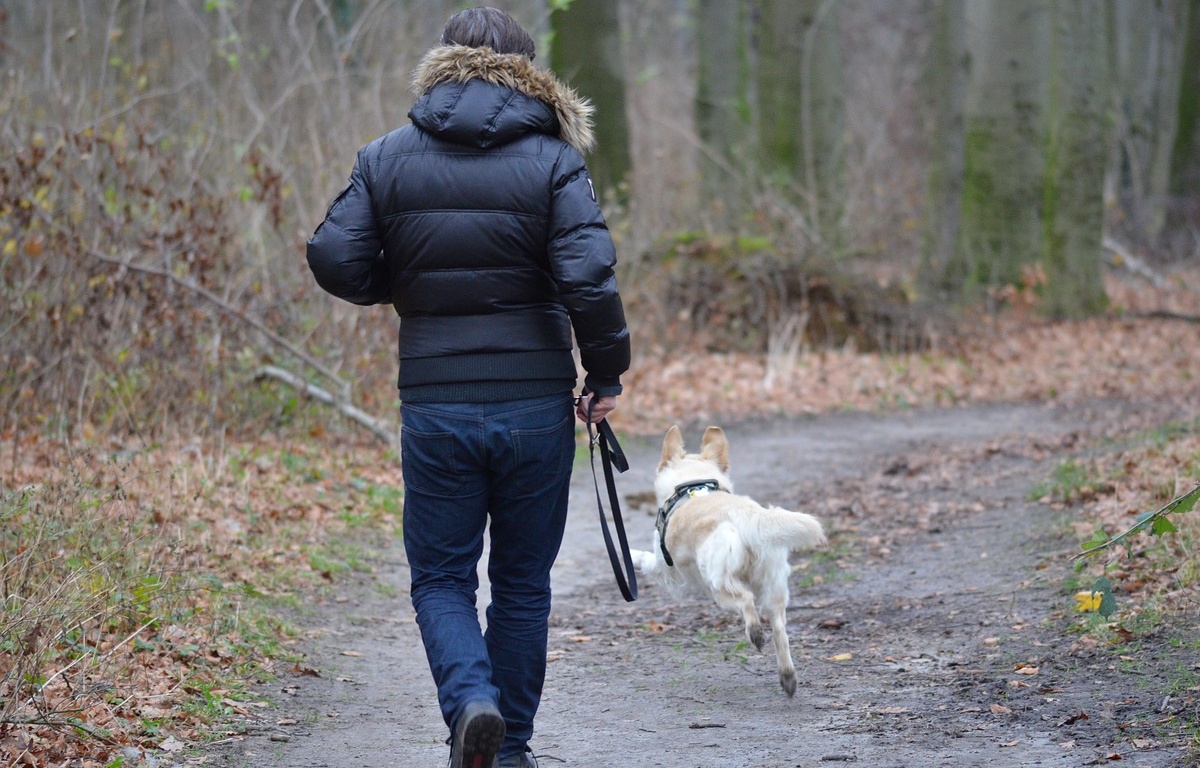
<point x="783" y="652"/>
<point x="733" y="595"/>
<point x="720" y="560"/>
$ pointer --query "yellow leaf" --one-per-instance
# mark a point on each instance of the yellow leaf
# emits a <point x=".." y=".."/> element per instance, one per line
<point x="1088" y="601"/>
<point x="10" y="247"/>
<point x="842" y="657"/>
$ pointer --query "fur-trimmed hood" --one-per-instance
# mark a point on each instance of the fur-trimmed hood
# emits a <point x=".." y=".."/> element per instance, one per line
<point x="460" y="64"/>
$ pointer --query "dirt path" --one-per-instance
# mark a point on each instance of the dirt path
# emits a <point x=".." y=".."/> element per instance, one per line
<point x="931" y="634"/>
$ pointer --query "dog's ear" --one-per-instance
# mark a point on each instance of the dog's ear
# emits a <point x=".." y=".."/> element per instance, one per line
<point x="672" y="447"/>
<point x="715" y="448"/>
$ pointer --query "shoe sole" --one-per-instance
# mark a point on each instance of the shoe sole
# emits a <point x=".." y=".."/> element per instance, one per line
<point x="483" y="735"/>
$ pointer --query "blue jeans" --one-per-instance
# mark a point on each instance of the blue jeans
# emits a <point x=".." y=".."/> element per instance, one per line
<point x="464" y="463"/>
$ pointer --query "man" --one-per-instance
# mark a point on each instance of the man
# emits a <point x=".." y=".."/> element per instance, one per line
<point x="479" y="224"/>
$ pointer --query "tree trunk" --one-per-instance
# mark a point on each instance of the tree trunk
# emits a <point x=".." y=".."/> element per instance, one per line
<point x="1077" y="134"/>
<point x="801" y="112"/>
<point x="943" y="87"/>
<point x="722" y="108"/>
<point x="1148" y="52"/>
<point x="1185" y="156"/>
<point x="1003" y="130"/>
<point x="586" y="52"/>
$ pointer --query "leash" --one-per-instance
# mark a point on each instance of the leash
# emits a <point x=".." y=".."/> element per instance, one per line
<point x="611" y="455"/>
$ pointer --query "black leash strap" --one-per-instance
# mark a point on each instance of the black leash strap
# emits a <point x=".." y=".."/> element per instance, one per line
<point x="611" y="455"/>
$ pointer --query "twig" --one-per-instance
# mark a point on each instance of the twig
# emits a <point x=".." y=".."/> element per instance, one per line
<point x="110" y="652"/>
<point x="1123" y="257"/>
<point x="1146" y="521"/>
<point x="382" y="429"/>
<point x="206" y="294"/>
<point x="1164" y="314"/>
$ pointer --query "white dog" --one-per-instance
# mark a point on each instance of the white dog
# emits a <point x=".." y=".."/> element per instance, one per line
<point x="729" y="545"/>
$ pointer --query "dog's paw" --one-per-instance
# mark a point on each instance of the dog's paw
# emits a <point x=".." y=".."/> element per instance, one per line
<point x="787" y="681"/>
<point x="756" y="636"/>
<point x="643" y="561"/>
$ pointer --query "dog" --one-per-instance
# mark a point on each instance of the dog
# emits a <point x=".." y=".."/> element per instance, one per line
<point x="728" y="545"/>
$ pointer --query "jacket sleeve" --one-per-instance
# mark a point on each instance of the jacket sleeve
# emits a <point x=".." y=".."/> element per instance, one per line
<point x="582" y="257"/>
<point x="345" y="253"/>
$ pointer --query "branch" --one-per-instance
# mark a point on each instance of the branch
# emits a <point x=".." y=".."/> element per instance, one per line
<point x="1155" y="522"/>
<point x="209" y="296"/>
<point x="384" y="430"/>
<point x="1123" y="257"/>
<point x="1164" y="314"/>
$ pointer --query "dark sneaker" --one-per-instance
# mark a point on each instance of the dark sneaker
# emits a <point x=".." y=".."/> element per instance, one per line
<point x="523" y="760"/>
<point x="478" y="736"/>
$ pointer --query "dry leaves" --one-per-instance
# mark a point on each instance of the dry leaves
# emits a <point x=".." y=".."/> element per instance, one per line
<point x="253" y="514"/>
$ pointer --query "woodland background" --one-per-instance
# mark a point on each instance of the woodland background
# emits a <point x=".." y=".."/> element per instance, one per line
<point x="818" y="204"/>
<point x="799" y="173"/>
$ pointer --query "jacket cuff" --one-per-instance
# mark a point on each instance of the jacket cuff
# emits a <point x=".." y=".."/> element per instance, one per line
<point x="602" y="386"/>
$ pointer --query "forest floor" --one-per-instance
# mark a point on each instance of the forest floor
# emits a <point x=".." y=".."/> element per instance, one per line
<point x="940" y="627"/>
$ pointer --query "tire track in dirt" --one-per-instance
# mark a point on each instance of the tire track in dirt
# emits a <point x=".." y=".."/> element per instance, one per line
<point x="944" y="602"/>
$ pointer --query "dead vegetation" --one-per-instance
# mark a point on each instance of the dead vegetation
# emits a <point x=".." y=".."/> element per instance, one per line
<point x="160" y="501"/>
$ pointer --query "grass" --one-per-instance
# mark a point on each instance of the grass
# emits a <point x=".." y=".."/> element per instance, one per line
<point x="143" y="590"/>
<point x="1070" y="480"/>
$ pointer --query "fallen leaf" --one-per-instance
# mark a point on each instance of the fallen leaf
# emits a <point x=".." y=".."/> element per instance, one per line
<point x="1000" y="709"/>
<point x="892" y="711"/>
<point x="1010" y="743"/>
<point x="1026" y="669"/>
<point x="1088" y="601"/>
<point x="351" y="653"/>
<point x="841" y="657"/>
<point x="171" y="744"/>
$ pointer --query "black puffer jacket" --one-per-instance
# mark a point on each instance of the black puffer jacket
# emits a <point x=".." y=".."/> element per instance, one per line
<point x="479" y="224"/>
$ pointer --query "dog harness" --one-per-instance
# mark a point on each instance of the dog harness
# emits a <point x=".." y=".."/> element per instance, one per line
<point x="682" y="491"/>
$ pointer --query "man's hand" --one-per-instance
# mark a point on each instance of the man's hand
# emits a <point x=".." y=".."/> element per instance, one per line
<point x="603" y="407"/>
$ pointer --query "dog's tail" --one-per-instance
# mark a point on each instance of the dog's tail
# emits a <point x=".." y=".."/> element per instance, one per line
<point x="795" y="530"/>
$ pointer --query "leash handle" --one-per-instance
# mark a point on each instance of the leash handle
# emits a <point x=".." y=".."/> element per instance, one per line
<point x="611" y="455"/>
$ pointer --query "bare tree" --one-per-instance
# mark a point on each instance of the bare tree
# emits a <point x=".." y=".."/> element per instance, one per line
<point x="801" y="114"/>
<point x="586" y="51"/>
<point x="1077" y="134"/>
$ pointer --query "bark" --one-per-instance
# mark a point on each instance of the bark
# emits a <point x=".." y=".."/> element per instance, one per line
<point x="801" y="111"/>
<point x="586" y="52"/>
<point x="1148" y="49"/>
<point x="1076" y="138"/>
<point x="1003" y="164"/>
<point x="722" y="107"/>
<point x="1185" y="155"/>
<point x="943" y="87"/>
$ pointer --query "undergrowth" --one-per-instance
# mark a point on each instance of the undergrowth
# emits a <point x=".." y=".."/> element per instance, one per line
<point x="143" y="590"/>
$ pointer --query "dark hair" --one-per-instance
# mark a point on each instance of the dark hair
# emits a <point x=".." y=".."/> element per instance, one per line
<point x="477" y="27"/>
